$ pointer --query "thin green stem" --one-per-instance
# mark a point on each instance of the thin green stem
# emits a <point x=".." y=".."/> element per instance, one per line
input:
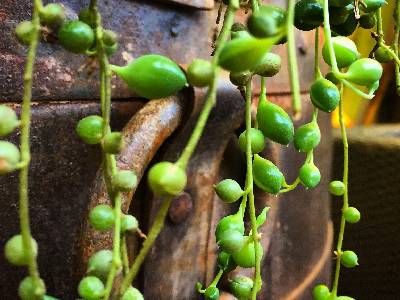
<point x="317" y="71"/>
<point x="290" y="187"/>
<point x="356" y="90"/>
<point x="381" y="37"/>
<point x="345" y="195"/>
<point x="254" y="5"/>
<point x="328" y="40"/>
<point x="26" y="155"/>
<point x="109" y="162"/>
<point x="217" y="278"/>
<point x="396" y="43"/>
<point x="124" y="254"/>
<point x="187" y="151"/>
<point x="379" y="25"/>
<point x="249" y="187"/>
<point x="212" y="92"/>
<point x="147" y="244"/>
<point x="293" y="69"/>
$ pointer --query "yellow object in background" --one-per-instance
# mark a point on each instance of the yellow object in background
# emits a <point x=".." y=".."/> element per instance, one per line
<point x="354" y="106"/>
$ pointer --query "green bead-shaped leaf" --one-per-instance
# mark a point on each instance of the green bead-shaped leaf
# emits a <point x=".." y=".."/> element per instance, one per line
<point x="266" y="175"/>
<point x="245" y="53"/>
<point x="152" y="76"/>
<point x="274" y="122"/>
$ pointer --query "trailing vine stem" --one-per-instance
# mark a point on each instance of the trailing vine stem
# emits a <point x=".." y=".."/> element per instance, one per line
<point x="396" y="43"/>
<point x="187" y="151"/>
<point x="293" y="69"/>
<point x="147" y="244"/>
<point x="345" y="195"/>
<point x="381" y="41"/>
<point x="212" y="92"/>
<point x="26" y="155"/>
<point x="249" y="188"/>
<point x="109" y="162"/>
<point x="328" y="40"/>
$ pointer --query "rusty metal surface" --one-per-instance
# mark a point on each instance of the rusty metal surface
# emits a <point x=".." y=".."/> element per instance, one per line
<point x="61" y="172"/>
<point x="182" y="252"/>
<point x="300" y="233"/>
<point x="144" y="27"/>
<point x="297" y="246"/>
<point x="143" y="135"/>
<point x="203" y="4"/>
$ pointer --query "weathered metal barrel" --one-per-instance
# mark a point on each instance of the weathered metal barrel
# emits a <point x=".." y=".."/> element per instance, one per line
<point x="64" y="180"/>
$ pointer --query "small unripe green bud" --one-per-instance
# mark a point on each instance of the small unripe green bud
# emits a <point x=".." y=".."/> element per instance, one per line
<point x="321" y="292"/>
<point x="52" y="14"/>
<point x="212" y="292"/>
<point x="102" y="217"/>
<point x="14" y="251"/>
<point x="231" y="241"/>
<point x="200" y="73"/>
<point x="90" y="129"/>
<point x="382" y="55"/>
<point x="225" y="261"/>
<point x="129" y="223"/>
<point x="109" y="37"/>
<point x="336" y="188"/>
<point x="349" y="259"/>
<point x="269" y="66"/>
<point x="124" y="180"/>
<point x="113" y="142"/>
<point x="91" y="288"/>
<point x="8" y="120"/>
<point x="166" y="179"/>
<point x="240" y="78"/>
<point x="132" y="294"/>
<point x="241" y="286"/>
<point x="100" y="263"/>
<point x="228" y="190"/>
<point x="238" y="27"/>
<point x="9" y="157"/>
<point x="332" y="78"/>
<point x="352" y="215"/>
<point x="257" y="141"/>
<point x="24" y="31"/>
<point x="110" y="50"/>
<point x="27" y="290"/>
<point x="309" y="175"/>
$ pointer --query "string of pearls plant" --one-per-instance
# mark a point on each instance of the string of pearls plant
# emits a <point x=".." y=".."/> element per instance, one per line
<point x="244" y="51"/>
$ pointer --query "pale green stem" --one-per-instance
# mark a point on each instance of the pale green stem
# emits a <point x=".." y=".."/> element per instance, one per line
<point x="249" y="187"/>
<point x="217" y="277"/>
<point x="212" y="92"/>
<point x="109" y="162"/>
<point x="328" y="40"/>
<point x="26" y="155"/>
<point x="345" y="196"/>
<point x="187" y="151"/>
<point x="396" y="44"/>
<point x="147" y="244"/>
<point x="317" y="71"/>
<point x="293" y="69"/>
<point x="124" y="254"/>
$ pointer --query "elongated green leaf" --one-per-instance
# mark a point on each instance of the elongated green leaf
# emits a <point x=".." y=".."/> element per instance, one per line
<point x="245" y="53"/>
<point x="262" y="217"/>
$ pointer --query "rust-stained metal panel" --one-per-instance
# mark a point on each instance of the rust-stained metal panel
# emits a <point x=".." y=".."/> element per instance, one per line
<point x="143" y="135"/>
<point x="203" y="4"/>
<point x="144" y="27"/>
<point x="61" y="173"/>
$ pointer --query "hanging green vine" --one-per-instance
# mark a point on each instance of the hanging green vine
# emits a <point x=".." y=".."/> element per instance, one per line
<point x="244" y="51"/>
